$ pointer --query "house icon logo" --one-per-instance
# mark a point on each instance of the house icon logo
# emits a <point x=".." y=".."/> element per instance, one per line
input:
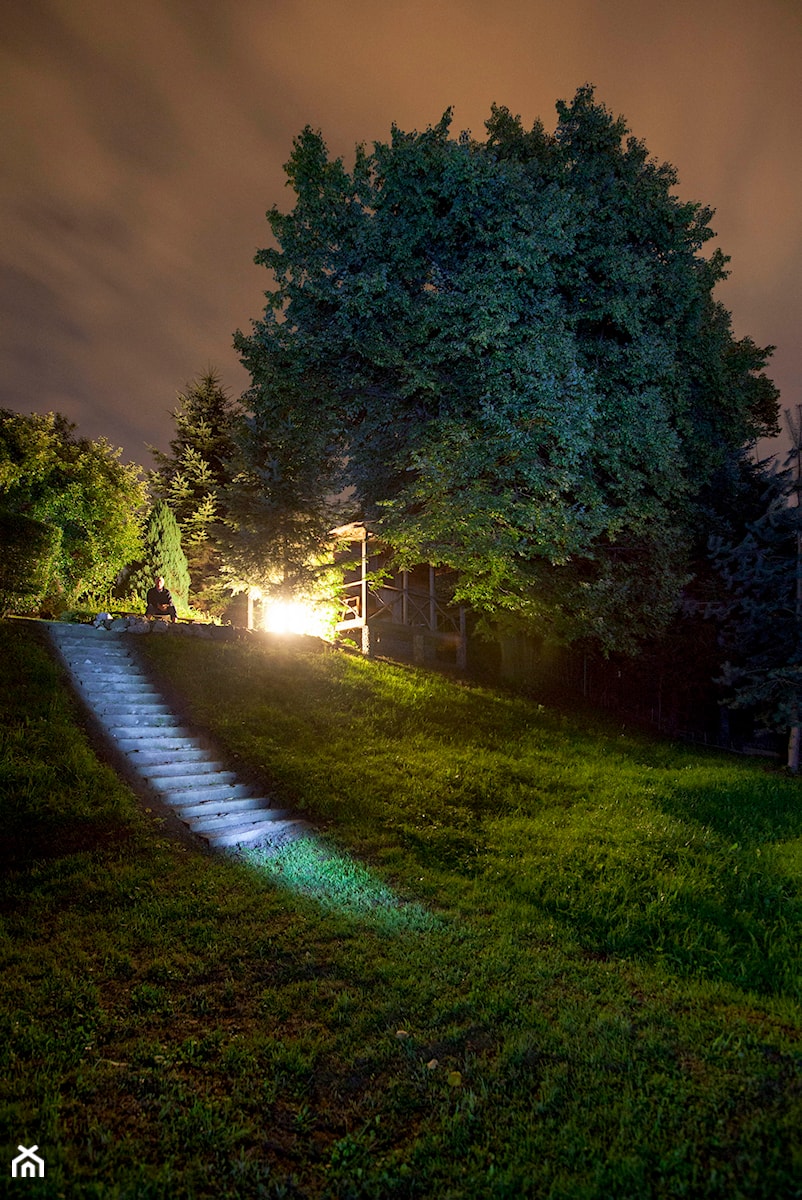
<point x="27" y="1164"/>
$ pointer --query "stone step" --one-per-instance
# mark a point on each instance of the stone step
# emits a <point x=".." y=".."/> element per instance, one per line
<point x="232" y="820"/>
<point x="181" y="797"/>
<point x="95" y="676"/>
<point x="145" y="732"/>
<point x="142" y="744"/>
<point x="216" y="808"/>
<point x="147" y="723"/>
<point x="267" y="832"/>
<point x="179" y="753"/>
<point x="120" y="697"/>
<point x="118" y="712"/>
<point x="100" y="662"/>
<point x="178" y="769"/>
<point x="94" y="657"/>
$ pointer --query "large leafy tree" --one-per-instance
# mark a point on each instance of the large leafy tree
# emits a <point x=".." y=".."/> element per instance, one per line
<point x="193" y="479"/>
<point x="511" y="352"/>
<point x="79" y="487"/>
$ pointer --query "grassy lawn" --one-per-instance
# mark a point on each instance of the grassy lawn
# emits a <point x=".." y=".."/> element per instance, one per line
<point x="528" y="956"/>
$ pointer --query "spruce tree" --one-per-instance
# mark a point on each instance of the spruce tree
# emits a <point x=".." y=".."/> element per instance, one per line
<point x="193" y="479"/>
<point x="760" y="614"/>
<point x="163" y="555"/>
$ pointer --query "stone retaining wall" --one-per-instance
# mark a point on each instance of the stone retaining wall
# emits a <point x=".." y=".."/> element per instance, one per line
<point x="104" y="623"/>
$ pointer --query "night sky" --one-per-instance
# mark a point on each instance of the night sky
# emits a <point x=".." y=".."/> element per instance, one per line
<point x="143" y="140"/>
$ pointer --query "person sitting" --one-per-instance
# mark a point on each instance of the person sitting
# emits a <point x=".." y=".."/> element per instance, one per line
<point x="160" y="602"/>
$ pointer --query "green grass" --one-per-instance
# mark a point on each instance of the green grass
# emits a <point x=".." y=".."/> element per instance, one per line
<point x="529" y="956"/>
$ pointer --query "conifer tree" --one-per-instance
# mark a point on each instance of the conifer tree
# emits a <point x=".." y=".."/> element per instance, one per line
<point x="760" y="615"/>
<point x="193" y="479"/>
<point x="163" y="555"/>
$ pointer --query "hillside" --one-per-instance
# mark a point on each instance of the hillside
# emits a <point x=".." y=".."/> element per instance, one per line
<point x="530" y="956"/>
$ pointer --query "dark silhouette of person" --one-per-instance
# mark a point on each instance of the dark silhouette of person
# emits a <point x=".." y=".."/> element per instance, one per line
<point x="160" y="602"/>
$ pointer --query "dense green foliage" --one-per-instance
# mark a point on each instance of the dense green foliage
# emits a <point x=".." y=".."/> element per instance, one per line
<point x="604" y="1003"/>
<point x="78" y="486"/>
<point x="162" y="555"/>
<point x="192" y="479"/>
<point x="279" y="515"/>
<point x="511" y="352"/>
<point x="759" y="614"/>
<point x="27" y="551"/>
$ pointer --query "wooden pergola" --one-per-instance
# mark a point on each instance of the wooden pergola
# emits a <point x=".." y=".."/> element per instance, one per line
<point x="398" y="613"/>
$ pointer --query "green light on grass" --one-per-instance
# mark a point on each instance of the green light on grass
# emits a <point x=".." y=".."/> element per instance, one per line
<point x="308" y="867"/>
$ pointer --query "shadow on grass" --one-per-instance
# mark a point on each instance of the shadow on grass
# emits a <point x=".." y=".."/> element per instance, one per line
<point x="39" y="839"/>
<point x="751" y="811"/>
<point x="732" y="921"/>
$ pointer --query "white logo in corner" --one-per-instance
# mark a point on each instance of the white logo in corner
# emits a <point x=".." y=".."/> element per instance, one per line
<point x="27" y="1164"/>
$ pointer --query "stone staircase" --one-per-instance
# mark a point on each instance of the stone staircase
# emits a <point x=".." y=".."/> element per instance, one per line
<point x="168" y="757"/>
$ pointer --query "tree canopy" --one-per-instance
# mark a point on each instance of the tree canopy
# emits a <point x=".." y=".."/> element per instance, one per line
<point x="510" y="353"/>
<point x="81" y="488"/>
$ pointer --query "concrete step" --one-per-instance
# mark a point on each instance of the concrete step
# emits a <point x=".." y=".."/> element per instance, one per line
<point x="146" y="759"/>
<point x="102" y="673"/>
<point x="233" y="822"/>
<point x="146" y="732"/>
<point x="266" y="832"/>
<point x="120" y="700"/>
<point x="118" y="710"/>
<point x="221" y="785"/>
<point x="217" y="808"/>
<point x="79" y="653"/>
<point x="142" y="744"/>
<point x="93" y="671"/>
<point x="123" y="688"/>
<point x="180" y="797"/>
<point x="178" y="769"/>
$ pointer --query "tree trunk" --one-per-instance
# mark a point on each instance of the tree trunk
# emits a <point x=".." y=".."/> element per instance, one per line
<point x="794" y="738"/>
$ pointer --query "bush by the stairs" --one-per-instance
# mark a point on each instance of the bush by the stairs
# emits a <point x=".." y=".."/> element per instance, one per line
<point x="27" y="552"/>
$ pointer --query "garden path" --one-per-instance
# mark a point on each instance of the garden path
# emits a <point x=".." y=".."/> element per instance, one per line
<point x="163" y="753"/>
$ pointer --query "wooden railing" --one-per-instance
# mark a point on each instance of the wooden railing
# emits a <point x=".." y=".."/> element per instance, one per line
<point x="403" y="605"/>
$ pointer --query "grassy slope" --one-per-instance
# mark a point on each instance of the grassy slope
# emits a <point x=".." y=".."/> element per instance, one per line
<point x="600" y="934"/>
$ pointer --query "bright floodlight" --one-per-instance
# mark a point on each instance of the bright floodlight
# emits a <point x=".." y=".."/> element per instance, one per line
<point x="294" y="616"/>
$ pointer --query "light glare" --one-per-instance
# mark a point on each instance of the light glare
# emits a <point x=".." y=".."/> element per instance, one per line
<point x="295" y="616"/>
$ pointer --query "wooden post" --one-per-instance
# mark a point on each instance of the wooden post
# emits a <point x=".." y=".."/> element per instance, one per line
<point x="795" y="734"/>
<point x="405" y="597"/>
<point x="364" y="589"/>
<point x="462" y="644"/>
<point x="432" y="602"/>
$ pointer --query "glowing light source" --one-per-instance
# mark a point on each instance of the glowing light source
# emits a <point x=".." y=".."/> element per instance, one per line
<point x="296" y="616"/>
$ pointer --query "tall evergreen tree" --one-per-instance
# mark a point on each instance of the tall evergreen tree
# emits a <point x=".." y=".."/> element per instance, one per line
<point x="193" y="479"/>
<point x="511" y="353"/>
<point x="163" y="555"/>
<point x="760" y="614"/>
